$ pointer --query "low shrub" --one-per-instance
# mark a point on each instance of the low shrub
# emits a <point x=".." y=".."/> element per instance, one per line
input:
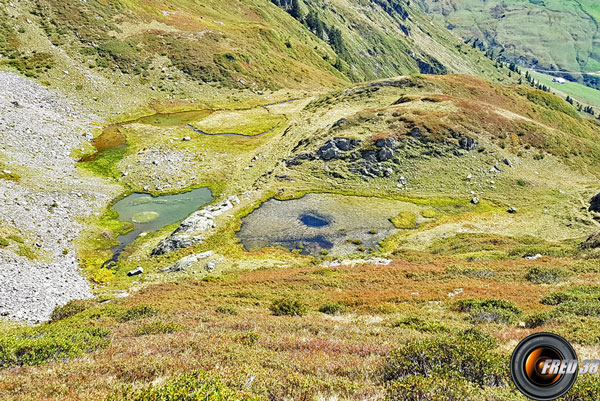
<point x="438" y="388"/>
<point x="50" y="342"/>
<point x="579" y="293"/>
<point x="71" y="308"/>
<point x="157" y="327"/>
<point x="491" y="310"/>
<point x="469" y="355"/>
<point x="249" y="337"/>
<point x="429" y="214"/>
<point x="469" y="271"/>
<point x="546" y="275"/>
<point x="579" y="308"/>
<point x="288" y="307"/>
<point x="198" y="385"/>
<point x="227" y="310"/>
<point x="332" y="308"/>
<point x="421" y="325"/>
<point x="538" y="319"/>
<point x="138" y="312"/>
<point x="556" y="250"/>
<point x="585" y="266"/>
<point x="587" y="387"/>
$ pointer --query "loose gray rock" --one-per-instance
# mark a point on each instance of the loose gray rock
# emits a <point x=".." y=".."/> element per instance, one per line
<point x="210" y="266"/>
<point x="593" y="242"/>
<point x="329" y="151"/>
<point x="385" y="154"/>
<point x="135" y="272"/>
<point x="186" y="262"/>
<point x="40" y="129"/>
<point x="475" y="200"/>
<point x="534" y="257"/>
<point x="512" y="210"/>
<point x="386" y="143"/>
<point x="468" y="143"/>
<point x="334" y="148"/>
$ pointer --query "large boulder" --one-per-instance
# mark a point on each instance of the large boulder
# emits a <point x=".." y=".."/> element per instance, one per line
<point x="595" y="203"/>
<point x="174" y="242"/>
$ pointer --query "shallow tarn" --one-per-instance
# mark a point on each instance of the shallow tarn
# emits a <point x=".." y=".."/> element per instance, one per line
<point x="338" y="224"/>
<point x="149" y="213"/>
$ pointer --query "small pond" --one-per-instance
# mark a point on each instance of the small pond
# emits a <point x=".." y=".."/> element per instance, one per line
<point x="149" y="213"/>
<point x="316" y="222"/>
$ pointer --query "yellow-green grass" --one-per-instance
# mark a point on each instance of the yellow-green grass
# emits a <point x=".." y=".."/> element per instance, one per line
<point x="247" y="123"/>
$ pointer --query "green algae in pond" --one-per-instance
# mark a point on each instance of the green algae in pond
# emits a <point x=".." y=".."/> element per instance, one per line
<point x="148" y="213"/>
<point x="144" y="217"/>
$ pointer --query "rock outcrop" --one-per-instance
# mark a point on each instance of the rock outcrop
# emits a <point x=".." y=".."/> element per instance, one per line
<point x="595" y="203"/>
<point x="334" y="148"/>
<point x="191" y="231"/>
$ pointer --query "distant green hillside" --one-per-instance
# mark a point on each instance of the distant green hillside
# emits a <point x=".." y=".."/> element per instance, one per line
<point x="252" y="44"/>
<point x="575" y="90"/>
<point x="382" y="38"/>
<point x="541" y="34"/>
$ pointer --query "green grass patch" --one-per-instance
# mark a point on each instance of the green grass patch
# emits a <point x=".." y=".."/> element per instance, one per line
<point x="405" y="220"/>
<point x="106" y="163"/>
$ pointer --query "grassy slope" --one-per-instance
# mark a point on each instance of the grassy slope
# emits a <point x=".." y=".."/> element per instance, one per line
<point x="556" y="34"/>
<point x="382" y="43"/>
<point x="152" y="47"/>
<point x="224" y="325"/>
